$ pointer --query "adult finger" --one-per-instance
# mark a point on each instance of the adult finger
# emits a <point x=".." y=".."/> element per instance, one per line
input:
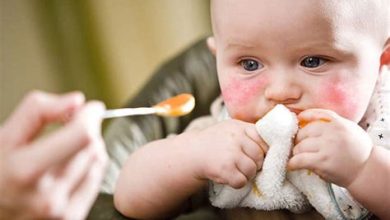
<point x="75" y="170"/>
<point x="92" y="115"/>
<point x="35" y="111"/>
<point x="63" y="144"/>
<point x="77" y="173"/>
<point x="68" y="181"/>
<point x="85" y="194"/>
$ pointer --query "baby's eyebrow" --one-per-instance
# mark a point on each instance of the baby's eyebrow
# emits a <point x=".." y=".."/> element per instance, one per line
<point x="239" y="45"/>
<point x="333" y="47"/>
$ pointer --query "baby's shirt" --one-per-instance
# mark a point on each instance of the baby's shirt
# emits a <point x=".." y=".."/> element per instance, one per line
<point x="376" y="121"/>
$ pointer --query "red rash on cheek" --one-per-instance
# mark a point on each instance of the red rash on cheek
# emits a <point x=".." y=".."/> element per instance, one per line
<point x="340" y="96"/>
<point x="240" y="93"/>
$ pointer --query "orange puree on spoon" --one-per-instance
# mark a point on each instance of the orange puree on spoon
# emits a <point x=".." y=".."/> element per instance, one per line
<point x="176" y="106"/>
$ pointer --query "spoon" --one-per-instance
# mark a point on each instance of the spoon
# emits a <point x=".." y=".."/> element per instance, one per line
<point x="172" y="107"/>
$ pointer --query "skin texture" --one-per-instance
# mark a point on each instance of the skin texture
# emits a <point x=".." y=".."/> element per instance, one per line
<point x="56" y="176"/>
<point x="321" y="60"/>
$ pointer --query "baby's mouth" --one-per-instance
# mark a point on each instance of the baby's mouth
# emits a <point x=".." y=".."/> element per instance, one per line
<point x="295" y="110"/>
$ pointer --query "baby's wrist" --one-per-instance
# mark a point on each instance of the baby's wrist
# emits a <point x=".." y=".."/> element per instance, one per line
<point x="366" y="174"/>
<point x="370" y="188"/>
<point x="189" y="155"/>
<point x="359" y="162"/>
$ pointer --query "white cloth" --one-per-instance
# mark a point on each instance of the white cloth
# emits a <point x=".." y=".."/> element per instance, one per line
<point x="269" y="190"/>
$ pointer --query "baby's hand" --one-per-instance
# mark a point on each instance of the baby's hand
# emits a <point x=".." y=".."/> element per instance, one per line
<point x="333" y="147"/>
<point x="230" y="152"/>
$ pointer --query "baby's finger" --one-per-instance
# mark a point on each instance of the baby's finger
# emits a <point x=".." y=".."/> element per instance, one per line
<point x="311" y="115"/>
<point x="237" y="179"/>
<point x="314" y="130"/>
<point x="307" y="160"/>
<point x="247" y="166"/>
<point x="35" y="111"/>
<point x="251" y="132"/>
<point x="308" y="145"/>
<point x="253" y="151"/>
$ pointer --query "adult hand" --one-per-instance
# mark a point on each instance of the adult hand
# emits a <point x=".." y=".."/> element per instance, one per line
<point x="58" y="175"/>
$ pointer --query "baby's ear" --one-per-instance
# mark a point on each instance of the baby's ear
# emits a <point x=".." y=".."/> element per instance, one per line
<point x="211" y="45"/>
<point x="385" y="57"/>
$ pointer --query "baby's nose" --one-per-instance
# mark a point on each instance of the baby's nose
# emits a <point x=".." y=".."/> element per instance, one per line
<point x="283" y="89"/>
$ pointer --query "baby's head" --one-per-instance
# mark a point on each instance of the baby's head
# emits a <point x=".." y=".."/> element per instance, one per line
<point x="304" y="54"/>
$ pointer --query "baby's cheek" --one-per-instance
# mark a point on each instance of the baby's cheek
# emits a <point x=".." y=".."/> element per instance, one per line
<point x="241" y="96"/>
<point x="340" y="96"/>
<point x="238" y="93"/>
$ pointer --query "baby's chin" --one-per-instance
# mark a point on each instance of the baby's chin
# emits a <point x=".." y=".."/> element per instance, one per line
<point x="246" y="118"/>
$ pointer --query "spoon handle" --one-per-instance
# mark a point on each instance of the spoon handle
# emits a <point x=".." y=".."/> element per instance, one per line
<point x="120" y="112"/>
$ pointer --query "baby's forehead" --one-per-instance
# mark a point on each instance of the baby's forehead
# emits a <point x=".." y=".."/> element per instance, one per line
<point x="357" y="17"/>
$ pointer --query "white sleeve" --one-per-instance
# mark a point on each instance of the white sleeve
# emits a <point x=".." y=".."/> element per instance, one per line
<point x="379" y="122"/>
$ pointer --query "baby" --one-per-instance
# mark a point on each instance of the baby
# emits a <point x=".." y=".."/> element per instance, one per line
<point x="320" y="59"/>
<point x="274" y="188"/>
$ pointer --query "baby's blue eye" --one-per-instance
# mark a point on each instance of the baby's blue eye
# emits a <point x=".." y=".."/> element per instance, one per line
<point x="312" y="62"/>
<point x="249" y="64"/>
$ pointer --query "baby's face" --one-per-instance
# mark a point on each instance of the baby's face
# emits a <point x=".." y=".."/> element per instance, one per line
<point x="304" y="54"/>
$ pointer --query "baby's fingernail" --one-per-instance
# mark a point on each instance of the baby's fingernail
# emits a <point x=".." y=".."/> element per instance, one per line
<point x="290" y="167"/>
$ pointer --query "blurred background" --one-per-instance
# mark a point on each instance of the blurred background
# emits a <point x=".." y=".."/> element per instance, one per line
<point x="105" y="48"/>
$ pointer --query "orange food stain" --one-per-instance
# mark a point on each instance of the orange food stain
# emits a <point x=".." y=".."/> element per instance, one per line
<point x="303" y="123"/>
<point x="256" y="190"/>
